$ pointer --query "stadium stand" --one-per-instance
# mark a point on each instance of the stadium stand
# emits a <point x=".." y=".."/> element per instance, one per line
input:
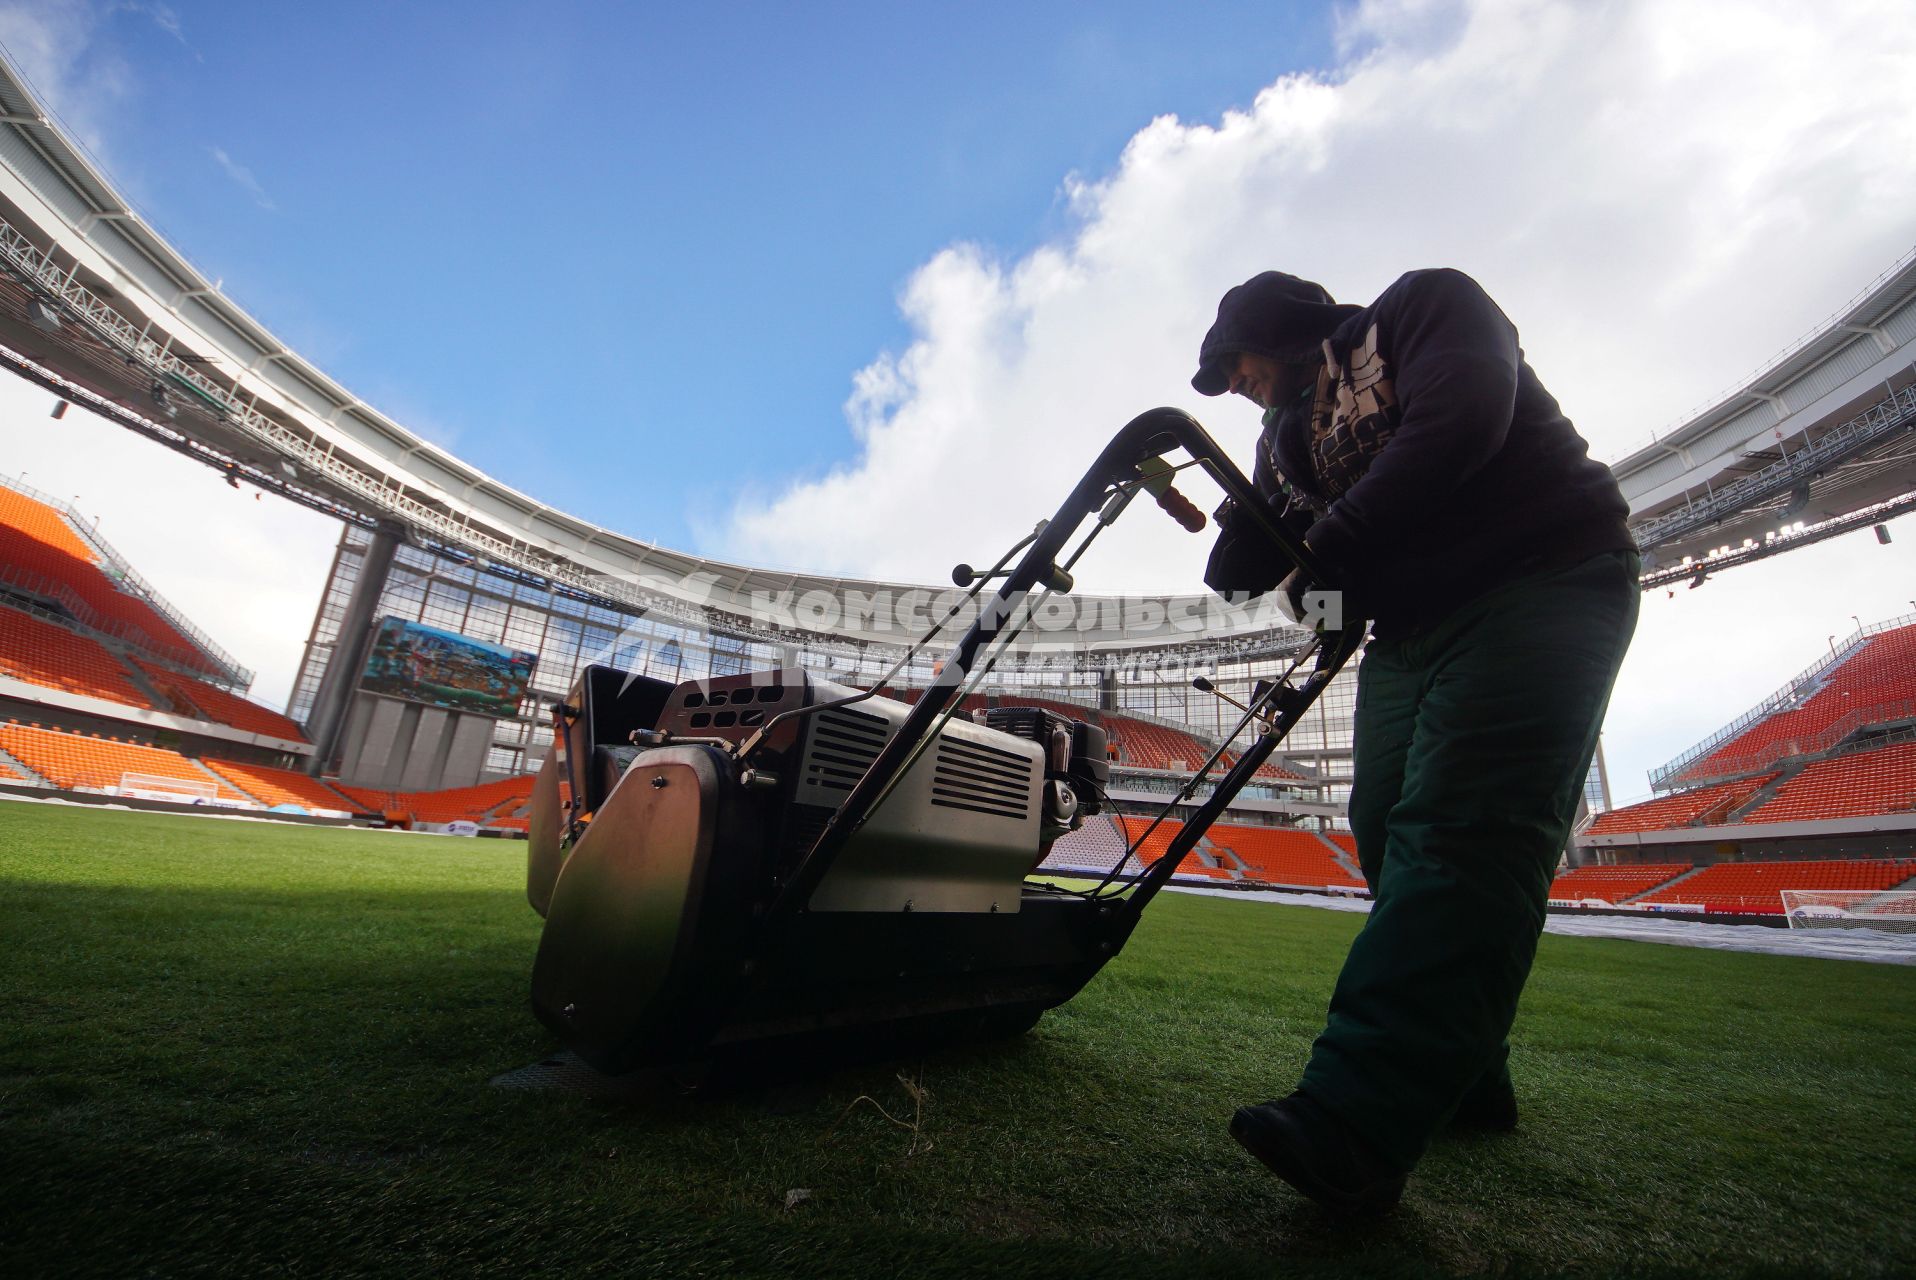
<point x="1149" y="746"/>
<point x="1613" y="884"/>
<point x="470" y="804"/>
<point x="1858" y="784"/>
<point x="1876" y="681"/>
<point x="203" y="701"/>
<point x="280" y="786"/>
<point x="1155" y="844"/>
<point x="1143" y="744"/>
<point x="1701" y="807"/>
<point x="1279" y="855"/>
<point x="37" y="544"/>
<point x="966" y="705"/>
<point x="1755" y="888"/>
<point x="77" y="761"/>
<point x="1268" y="772"/>
<point x="53" y="657"/>
<point x="1131" y="827"/>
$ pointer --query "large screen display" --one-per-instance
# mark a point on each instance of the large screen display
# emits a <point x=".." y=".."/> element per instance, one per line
<point x="443" y="669"/>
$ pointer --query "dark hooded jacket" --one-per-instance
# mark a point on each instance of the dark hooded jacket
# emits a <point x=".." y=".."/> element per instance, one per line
<point x="1429" y="461"/>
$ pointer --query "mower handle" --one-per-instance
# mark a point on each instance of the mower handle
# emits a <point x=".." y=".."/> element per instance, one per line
<point x="1150" y="433"/>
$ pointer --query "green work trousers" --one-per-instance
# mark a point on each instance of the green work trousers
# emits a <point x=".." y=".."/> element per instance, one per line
<point x="1473" y="738"/>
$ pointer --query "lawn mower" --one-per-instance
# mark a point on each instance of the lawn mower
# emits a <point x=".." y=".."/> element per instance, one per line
<point x="775" y="868"/>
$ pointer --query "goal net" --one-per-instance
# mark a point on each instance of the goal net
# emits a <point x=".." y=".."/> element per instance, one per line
<point x="1888" y="910"/>
<point x="157" y="786"/>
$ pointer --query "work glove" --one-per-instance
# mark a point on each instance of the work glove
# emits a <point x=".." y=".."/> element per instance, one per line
<point x="1244" y="562"/>
<point x="1321" y="609"/>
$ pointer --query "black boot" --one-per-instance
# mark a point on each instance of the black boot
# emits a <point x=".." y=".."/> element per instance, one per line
<point x="1300" y="1143"/>
<point x="1488" y="1108"/>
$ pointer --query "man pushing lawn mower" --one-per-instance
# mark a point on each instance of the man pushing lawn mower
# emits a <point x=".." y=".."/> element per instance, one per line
<point x="1445" y="492"/>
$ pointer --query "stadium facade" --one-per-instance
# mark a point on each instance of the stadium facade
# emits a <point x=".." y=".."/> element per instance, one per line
<point x="1146" y="683"/>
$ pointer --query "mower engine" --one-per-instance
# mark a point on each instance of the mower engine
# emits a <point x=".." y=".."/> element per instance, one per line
<point x="654" y="860"/>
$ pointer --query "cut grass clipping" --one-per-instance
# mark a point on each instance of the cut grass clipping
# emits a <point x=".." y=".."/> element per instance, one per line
<point x="235" y="1047"/>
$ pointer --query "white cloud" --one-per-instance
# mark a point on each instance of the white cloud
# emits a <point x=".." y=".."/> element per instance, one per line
<point x="80" y="80"/>
<point x="242" y="177"/>
<point x="1660" y="193"/>
<point x="246" y="570"/>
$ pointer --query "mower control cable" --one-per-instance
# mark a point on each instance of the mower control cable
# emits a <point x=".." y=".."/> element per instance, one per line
<point x="752" y="743"/>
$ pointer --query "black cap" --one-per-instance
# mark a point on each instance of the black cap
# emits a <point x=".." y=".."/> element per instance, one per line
<point x="1269" y="315"/>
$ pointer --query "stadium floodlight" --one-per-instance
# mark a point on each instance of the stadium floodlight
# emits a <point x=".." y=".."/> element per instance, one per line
<point x="42" y="316"/>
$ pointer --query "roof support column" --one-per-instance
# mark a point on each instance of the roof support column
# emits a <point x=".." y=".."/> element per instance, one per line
<point x="350" y="648"/>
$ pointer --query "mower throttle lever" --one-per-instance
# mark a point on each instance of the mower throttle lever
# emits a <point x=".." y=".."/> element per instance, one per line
<point x="1157" y="473"/>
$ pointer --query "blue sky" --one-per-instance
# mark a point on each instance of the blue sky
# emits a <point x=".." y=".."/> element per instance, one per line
<point x="664" y="232"/>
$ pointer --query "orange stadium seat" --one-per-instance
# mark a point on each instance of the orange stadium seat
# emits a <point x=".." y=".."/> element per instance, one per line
<point x="1132" y="826"/>
<point x="44" y="654"/>
<point x="37" y="541"/>
<point x="199" y="699"/>
<point x="77" y="761"/>
<point x="1143" y="744"/>
<point x="969" y="703"/>
<point x="1614" y="884"/>
<point x="1848" y="786"/>
<point x="1701" y="806"/>
<point x="1267" y="771"/>
<point x="1879" y="676"/>
<point x="280" y="786"/>
<point x="1278" y="855"/>
<point x="490" y="804"/>
<point x="1756" y="887"/>
<point x="1158" y="842"/>
<point x="1150" y="746"/>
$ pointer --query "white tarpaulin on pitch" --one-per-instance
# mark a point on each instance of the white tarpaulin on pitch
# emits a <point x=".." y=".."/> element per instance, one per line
<point x="1827" y="944"/>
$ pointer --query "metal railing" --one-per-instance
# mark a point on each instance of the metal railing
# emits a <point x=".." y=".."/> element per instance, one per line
<point x="1798" y="687"/>
<point x="211" y="659"/>
<point x="75" y="614"/>
<point x="1887" y="416"/>
<point x="1811" y="746"/>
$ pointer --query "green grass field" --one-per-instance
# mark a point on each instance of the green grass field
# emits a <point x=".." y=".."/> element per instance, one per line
<point x="235" y="1048"/>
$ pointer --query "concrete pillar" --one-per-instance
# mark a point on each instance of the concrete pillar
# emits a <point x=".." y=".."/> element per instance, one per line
<point x="350" y="648"/>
